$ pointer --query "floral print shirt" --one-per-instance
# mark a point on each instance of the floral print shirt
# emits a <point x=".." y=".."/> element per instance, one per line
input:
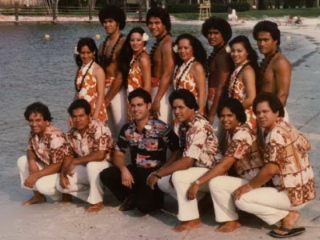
<point x="242" y="145"/>
<point x="198" y="141"/>
<point x="288" y="148"/>
<point x="148" y="148"/>
<point x="49" y="149"/>
<point x="96" y="138"/>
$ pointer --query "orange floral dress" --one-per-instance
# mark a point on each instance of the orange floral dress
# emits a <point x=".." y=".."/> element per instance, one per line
<point x="88" y="90"/>
<point x="236" y="89"/>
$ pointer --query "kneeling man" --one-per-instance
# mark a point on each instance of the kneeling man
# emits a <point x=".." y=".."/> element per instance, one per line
<point x="286" y="164"/>
<point x="45" y="154"/>
<point x="90" y="145"/>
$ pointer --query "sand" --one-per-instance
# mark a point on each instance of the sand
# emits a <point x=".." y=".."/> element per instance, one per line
<point x="54" y="221"/>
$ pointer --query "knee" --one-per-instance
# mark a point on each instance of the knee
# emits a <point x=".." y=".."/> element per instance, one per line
<point x="22" y="162"/>
<point x="93" y="167"/>
<point x="42" y="186"/>
<point x="177" y="177"/>
<point x="106" y="175"/>
<point x="216" y="183"/>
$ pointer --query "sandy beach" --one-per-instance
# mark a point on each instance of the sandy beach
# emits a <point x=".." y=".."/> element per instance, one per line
<point x="55" y="221"/>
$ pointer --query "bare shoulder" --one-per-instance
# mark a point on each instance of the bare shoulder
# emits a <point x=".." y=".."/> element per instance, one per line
<point x="144" y="58"/>
<point x="281" y="62"/>
<point x="97" y="69"/>
<point x="222" y="58"/>
<point x="197" y="67"/>
<point x="248" y="73"/>
<point x="166" y="44"/>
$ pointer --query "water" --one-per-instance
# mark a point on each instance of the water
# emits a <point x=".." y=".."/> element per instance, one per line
<point x="34" y="69"/>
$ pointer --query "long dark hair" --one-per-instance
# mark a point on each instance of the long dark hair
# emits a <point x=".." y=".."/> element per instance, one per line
<point x="90" y="43"/>
<point x="126" y="54"/>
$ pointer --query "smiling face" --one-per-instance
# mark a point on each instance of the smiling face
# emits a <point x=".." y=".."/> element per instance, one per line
<point x="181" y="111"/>
<point x="136" y="42"/>
<point x="265" y="117"/>
<point x="215" y="38"/>
<point x="80" y="119"/>
<point x="86" y="54"/>
<point x="185" y="50"/>
<point x="239" y="54"/>
<point x="265" y="43"/>
<point x="37" y="124"/>
<point x="228" y="119"/>
<point x="110" y="26"/>
<point x="156" y="27"/>
<point x="139" y="109"/>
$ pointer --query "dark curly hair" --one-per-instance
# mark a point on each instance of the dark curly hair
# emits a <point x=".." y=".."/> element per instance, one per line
<point x="160" y="13"/>
<point x="38" y="107"/>
<point x="235" y="106"/>
<point x="79" y="103"/>
<point x="141" y="93"/>
<point x="217" y="23"/>
<point x="113" y="12"/>
<point x="267" y="26"/>
<point x="272" y="100"/>
<point x="187" y="97"/>
<point x="90" y="43"/>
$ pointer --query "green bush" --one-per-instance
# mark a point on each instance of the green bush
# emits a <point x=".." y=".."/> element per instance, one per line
<point x="310" y="3"/>
<point x="183" y="8"/>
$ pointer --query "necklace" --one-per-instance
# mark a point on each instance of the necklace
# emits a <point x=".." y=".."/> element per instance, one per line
<point x="232" y="92"/>
<point x="136" y="58"/>
<point x="265" y="62"/>
<point x="104" y="60"/>
<point x="155" y="46"/>
<point x="84" y="76"/>
<point x="184" y="68"/>
<point x="214" y="53"/>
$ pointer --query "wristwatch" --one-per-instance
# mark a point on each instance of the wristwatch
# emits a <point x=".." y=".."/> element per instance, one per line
<point x="157" y="175"/>
<point x="197" y="182"/>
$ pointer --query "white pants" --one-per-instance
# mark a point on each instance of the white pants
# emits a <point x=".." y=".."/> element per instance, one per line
<point x="45" y="185"/>
<point x="85" y="182"/>
<point x="165" y="108"/>
<point x="182" y="180"/>
<point x="117" y="112"/>
<point x="286" y="115"/>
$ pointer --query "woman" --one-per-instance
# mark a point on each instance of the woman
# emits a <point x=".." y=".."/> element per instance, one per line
<point x="190" y="70"/>
<point x="242" y="83"/>
<point x="90" y="79"/>
<point x="134" y="64"/>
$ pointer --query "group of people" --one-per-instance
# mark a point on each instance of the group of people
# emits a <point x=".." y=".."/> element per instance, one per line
<point x="256" y="161"/>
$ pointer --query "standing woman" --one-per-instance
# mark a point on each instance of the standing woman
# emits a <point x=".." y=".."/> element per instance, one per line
<point x="90" y="79"/>
<point x="242" y="83"/>
<point x="134" y="62"/>
<point x="190" y="69"/>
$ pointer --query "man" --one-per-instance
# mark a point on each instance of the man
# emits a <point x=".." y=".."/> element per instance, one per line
<point x="113" y="20"/>
<point x="45" y="154"/>
<point x="90" y="146"/>
<point x="218" y="32"/>
<point x="147" y="138"/>
<point x="162" y="62"/>
<point x="286" y="164"/>
<point x="275" y="72"/>
<point x="200" y="149"/>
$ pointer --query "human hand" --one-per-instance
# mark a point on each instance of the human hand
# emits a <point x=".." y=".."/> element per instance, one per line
<point x="192" y="191"/>
<point x="152" y="180"/>
<point x="70" y="168"/>
<point x="241" y="190"/>
<point x="210" y="119"/>
<point x="70" y="123"/>
<point x="106" y="102"/>
<point x="155" y="108"/>
<point x="127" y="178"/>
<point x="64" y="181"/>
<point x="33" y="167"/>
<point x="31" y="180"/>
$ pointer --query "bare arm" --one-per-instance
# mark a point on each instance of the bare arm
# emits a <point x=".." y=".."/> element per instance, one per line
<point x="100" y="76"/>
<point x="32" y="158"/>
<point x="173" y="157"/>
<point x="282" y="71"/>
<point x="145" y="65"/>
<point x="249" y="80"/>
<point x="119" y="162"/>
<point x="114" y="89"/>
<point x="91" y="157"/>
<point x="200" y="79"/>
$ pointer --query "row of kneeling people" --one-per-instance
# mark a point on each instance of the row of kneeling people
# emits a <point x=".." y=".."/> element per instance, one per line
<point x="266" y="173"/>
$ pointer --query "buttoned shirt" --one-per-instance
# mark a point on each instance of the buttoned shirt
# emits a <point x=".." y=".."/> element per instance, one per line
<point x="198" y="141"/>
<point x="286" y="147"/>
<point x="51" y="147"/>
<point x="242" y="145"/>
<point x="148" y="148"/>
<point x="97" y="137"/>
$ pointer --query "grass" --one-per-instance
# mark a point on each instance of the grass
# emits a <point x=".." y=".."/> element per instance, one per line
<point x="303" y="12"/>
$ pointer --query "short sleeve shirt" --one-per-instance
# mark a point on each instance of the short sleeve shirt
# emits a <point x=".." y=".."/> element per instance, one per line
<point x="288" y="148"/>
<point x="51" y="148"/>
<point x="242" y="145"/>
<point x="148" y="148"/>
<point x="96" y="138"/>
<point x="198" y="141"/>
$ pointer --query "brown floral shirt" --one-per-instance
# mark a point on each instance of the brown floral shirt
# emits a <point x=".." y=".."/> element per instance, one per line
<point x="96" y="138"/>
<point x="242" y="145"/>
<point x="198" y="141"/>
<point x="288" y="148"/>
<point x="49" y="149"/>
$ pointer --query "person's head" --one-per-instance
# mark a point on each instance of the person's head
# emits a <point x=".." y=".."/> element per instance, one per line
<point x="183" y="104"/>
<point x="241" y="50"/>
<point x="217" y="30"/>
<point x="80" y="113"/>
<point x="231" y="113"/>
<point x="189" y="46"/>
<point x="87" y="50"/>
<point x="38" y="116"/>
<point x="112" y="18"/>
<point x="140" y="103"/>
<point x="267" y="107"/>
<point x="136" y="40"/>
<point x="267" y="35"/>
<point x="158" y="21"/>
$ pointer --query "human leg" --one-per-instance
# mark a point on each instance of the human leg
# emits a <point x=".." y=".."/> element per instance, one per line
<point x="165" y="109"/>
<point x="165" y="186"/>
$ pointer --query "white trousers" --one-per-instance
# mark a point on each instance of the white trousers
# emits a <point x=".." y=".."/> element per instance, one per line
<point x="85" y="182"/>
<point x="45" y="185"/>
<point x="165" y="108"/>
<point x="117" y="112"/>
<point x="182" y="180"/>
